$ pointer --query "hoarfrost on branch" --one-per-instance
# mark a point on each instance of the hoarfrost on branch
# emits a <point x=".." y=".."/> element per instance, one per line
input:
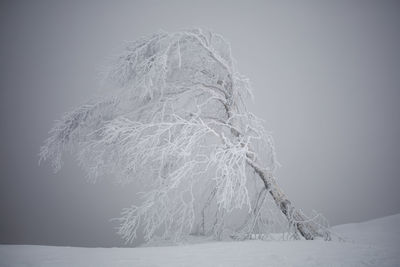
<point x="177" y="121"/>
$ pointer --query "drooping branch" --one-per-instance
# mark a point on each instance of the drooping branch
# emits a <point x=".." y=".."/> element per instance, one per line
<point x="179" y="124"/>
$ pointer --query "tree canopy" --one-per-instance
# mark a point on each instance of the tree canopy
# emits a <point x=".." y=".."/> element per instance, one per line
<point x="177" y="121"/>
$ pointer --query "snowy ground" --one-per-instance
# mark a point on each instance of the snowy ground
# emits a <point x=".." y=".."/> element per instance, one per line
<point x="372" y="243"/>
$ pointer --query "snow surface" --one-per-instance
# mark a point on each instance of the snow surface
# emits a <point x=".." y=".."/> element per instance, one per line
<point x="372" y="243"/>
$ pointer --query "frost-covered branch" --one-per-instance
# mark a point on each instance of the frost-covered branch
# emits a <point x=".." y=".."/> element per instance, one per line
<point x="177" y="122"/>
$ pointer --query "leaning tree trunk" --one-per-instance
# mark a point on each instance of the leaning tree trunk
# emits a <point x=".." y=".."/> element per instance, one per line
<point x="306" y="227"/>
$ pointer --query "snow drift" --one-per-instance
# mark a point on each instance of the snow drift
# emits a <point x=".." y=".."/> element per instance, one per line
<point x="371" y="243"/>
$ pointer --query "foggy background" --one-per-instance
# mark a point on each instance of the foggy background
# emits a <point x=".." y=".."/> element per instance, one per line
<point x="326" y="78"/>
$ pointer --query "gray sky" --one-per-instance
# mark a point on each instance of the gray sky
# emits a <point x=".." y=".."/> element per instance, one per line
<point x="326" y="78"/>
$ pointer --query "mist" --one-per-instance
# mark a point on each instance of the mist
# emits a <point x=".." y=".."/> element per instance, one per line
<point x="325" y="78"/>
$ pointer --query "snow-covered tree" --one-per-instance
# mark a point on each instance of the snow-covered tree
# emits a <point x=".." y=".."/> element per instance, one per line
<point x="177" y="121"/>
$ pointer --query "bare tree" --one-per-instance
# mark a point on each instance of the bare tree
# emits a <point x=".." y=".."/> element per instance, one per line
<point x="177" y="121"/>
